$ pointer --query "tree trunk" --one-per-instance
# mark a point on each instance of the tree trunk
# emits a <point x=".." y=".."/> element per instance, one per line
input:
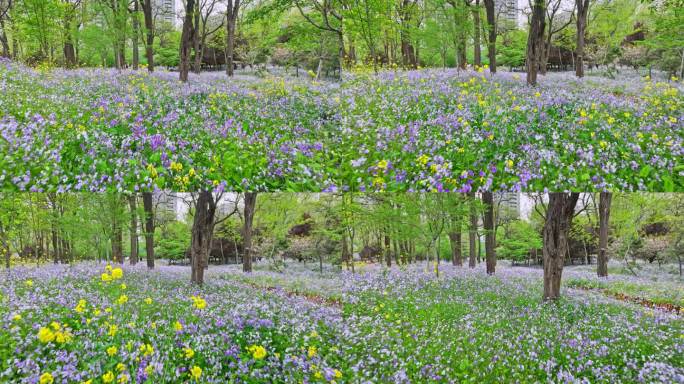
<point x="132" y="202"/>
<point x="149" y="31"/>
<point x="3" y="40"/>
<point x="477" y="55"/>
<point x="581" y="22"/>
<point x="187" y="37"/>
<point x="472" y="233"/>
<point x="490" y="234"/>
<point x="559" y="213"/>
<point x="149" y="228"/>
<point x="202" y="233"/>
<point x="250" y="205"/>
<point x="116" y="239"/>
<point x="535" y="40"/>
<point x="136" y="34"/>
<point x="604" y="219"/>
<point x="231" y="17"/>
<point x="196" y="41"/>
<point x="388" y="252"/>
<point x="491" y="41"/>
<point x="456" y="255"/>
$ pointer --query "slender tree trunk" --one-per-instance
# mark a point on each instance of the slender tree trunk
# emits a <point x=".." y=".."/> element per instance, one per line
<point x="491" y="41"/>
<point x="388" y="251"/>
<point x="472" y="233"/>
<point x="136" y="35"/>
<point x="196" y="41"/>
<point x="231" y="18"/>
<point x="250" y="205"/>
<point x="3" y="40"/>
<point x="604" y="219"/>
<point x="490" y="234"/>
<point x="149" y="31"/>
<point x="202" y="233"/>
<point x="149" y="229"/>
<point x="187" y="37"/>
<point x="456" y="255"/>
<point x="535" y="40"/>
<point x="133" y="205"/>
<point x="559" y="215"/>
<point x="582" y="7"/>
<point x="477" y="55"/>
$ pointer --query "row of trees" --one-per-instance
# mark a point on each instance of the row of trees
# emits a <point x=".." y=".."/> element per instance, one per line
<point x="341" y="33"/>
<point x="389" y="228"/>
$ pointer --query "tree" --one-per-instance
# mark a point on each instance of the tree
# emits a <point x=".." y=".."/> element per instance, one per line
<point x="249" y="207"/>
<point x="604" y="221"/>
<point x="5" y="7"/>
<point x="491" y="28"/>
<point x="133" y="229"/>
<point x="490" y="233"/>
<point x="149" y="229"/>
<point x="472" y="232"/>
<point x="187" y="38"/>
<point x="232" y="9"/>
<point x="535" y="40"/>
<point x="557" y="222"/>
<point x="202" y="233"/>
<point x="582" y="7"/>
<point x="149" y="32"/>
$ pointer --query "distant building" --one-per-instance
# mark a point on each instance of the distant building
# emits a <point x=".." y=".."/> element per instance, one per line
<point x="165" y="10"/>
<point x="508" y="204"/>
<point x="508" y="13"/>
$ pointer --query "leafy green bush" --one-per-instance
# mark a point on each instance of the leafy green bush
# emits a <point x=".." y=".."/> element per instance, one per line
<point x="516" y="241"/>
<point x="172" y="241"/>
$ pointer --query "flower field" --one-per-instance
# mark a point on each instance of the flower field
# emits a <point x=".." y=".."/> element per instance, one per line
<point x="96" y="324"/>
<point x="429" y="130"/>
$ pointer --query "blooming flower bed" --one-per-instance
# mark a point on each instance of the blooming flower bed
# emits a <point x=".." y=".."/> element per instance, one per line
<point x="431" y="130"/>
<point x="92" y="324"/>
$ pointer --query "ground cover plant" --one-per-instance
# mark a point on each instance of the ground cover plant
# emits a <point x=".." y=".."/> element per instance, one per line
<point x="426" y="130"/>
<point x="99" y="324"/>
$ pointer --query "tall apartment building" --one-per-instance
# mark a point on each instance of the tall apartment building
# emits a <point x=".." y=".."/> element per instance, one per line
<point x="508" y="13"/>
<point x="165" y="10"/>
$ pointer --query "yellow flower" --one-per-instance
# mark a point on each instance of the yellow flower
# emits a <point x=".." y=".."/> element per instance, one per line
<point x="62" y="337"/>
<point x="123" y="379"/>
<point x="178" y="326"/>
<point x="108" y="268"/>
<point x="123" y="286"/>
<point x="509" y="163"/>
<point x="603" y="144"/>
<point x="117" y="273"/>
<point x="423" y="159"/>
<point x="382" y="164"/>
<point x="312" y="351"/>
<point x="89" y="381"/>
<point x="81" y="306"/>
<point x="16" y="317"/>
<point x="29" y="283"/>
<point x="196" y="372"/>
<point x="111" y="351"/>
<point x="189" y="353"/>
<point x="537" y="94"/>
<point x="108" y="377"/>
<point x="149" y="370"/>
<point x="113" y="329"/>
<point x="198" y="302"/>
<point x="106" y="277"/>
<point x="148" y="301"/>
<point x="46" y="378"/>
<point x="146" y="349"/>
<point x="45" y="335"/>
<point x="120" y="367"/>
<point x="337" y="373"/>
<point x="318" y="375"/>
<point x="123" y="299"/>
<point x="258" y="352"/>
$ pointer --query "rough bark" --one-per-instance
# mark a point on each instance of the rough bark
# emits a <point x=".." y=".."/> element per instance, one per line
<point x="604" y="218"/>
<point x="535" y="41"/>
<point x="149" y="229"/>
<point x="456" y="255"/>
<point x="136" y="34"/>
<point x="491" y="40"/>
<point x="149" y="32"/>
<point x="582" y="7"/>
<point x="477" y="54"/>
<point x="559" y="214"/>
<point x="490" y="234"/>
<point x="472" y="232"/>
<point x="133" y="205"/>
<point x="187" y="37"/>
<point x="250" y="205"/>
<point x="202" y="233"/>
<point x="231" y="20"/>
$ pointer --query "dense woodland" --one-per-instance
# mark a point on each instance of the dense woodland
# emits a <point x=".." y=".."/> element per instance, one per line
<point x="462" y="230"/>
<point x="328" y="37"/>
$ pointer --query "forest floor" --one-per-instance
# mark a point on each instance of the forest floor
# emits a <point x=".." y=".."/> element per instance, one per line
<point x="378" y="325"/>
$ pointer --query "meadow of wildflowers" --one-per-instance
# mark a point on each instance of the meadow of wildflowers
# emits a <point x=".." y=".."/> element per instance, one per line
<point x="96" y="324"/>
<point x="429" y="130"/>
